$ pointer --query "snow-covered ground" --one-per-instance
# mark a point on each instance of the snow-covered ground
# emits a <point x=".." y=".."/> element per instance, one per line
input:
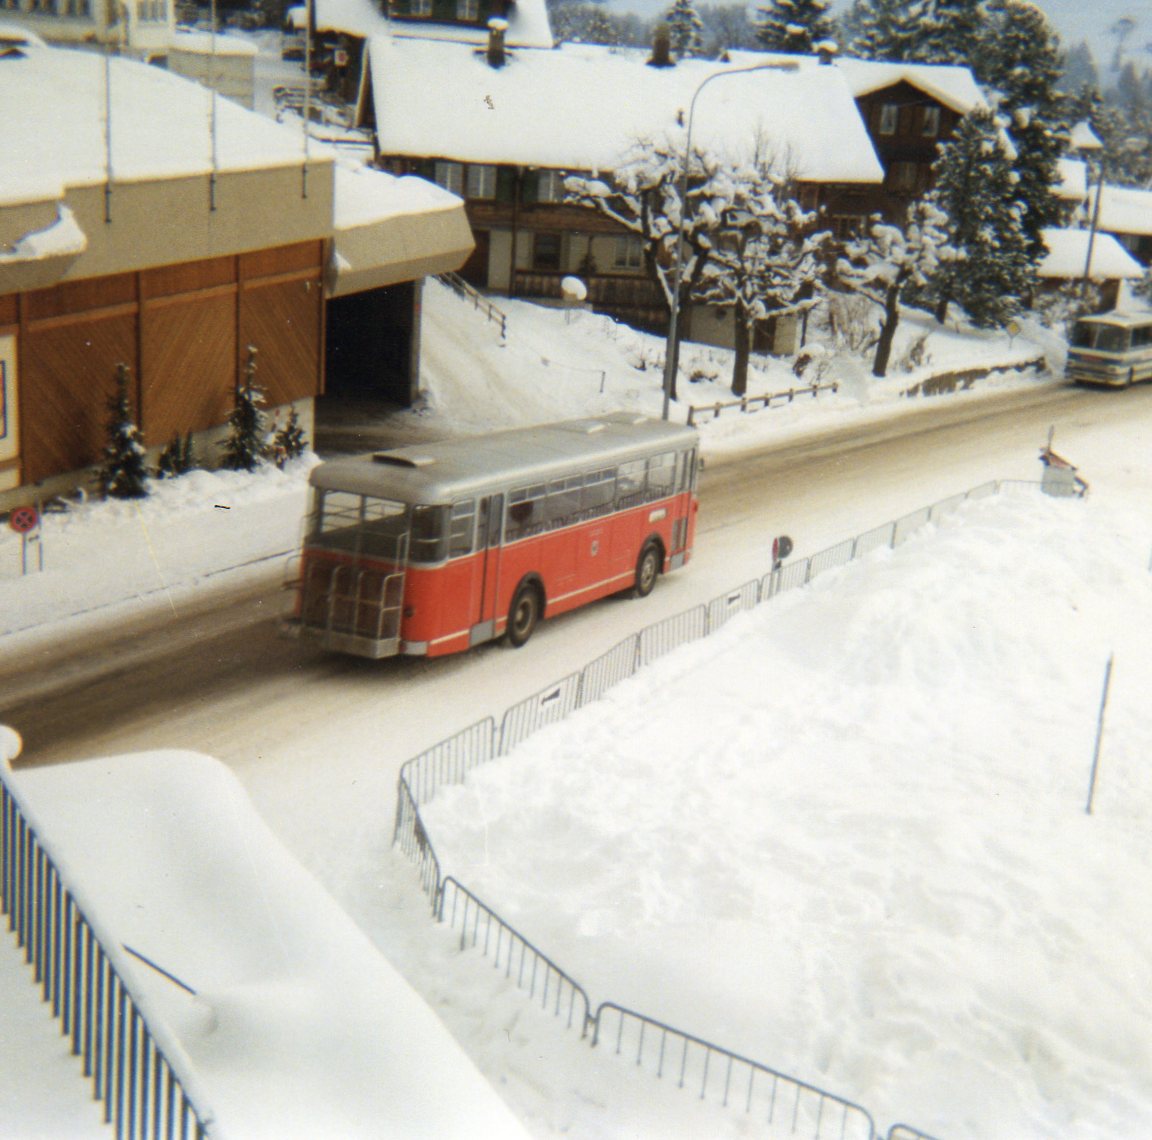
<point x="865" y="860"/>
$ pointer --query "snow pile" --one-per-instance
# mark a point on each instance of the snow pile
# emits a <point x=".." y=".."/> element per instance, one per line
<point x="847" y="835"/>
<point x="298" y="1027"/>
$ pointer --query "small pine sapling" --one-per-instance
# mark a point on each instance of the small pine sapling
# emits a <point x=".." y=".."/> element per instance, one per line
<point x="178" y="458"/>
<point x="246" y="446"/>
<point x="123" y="474"/>
<point x="289" y="441"/>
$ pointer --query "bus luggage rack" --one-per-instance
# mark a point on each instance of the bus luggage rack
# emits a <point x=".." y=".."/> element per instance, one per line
<point x="354" y="610"/>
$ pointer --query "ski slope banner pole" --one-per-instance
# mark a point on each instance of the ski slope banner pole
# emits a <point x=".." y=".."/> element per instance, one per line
<point x="1099" y="736"/>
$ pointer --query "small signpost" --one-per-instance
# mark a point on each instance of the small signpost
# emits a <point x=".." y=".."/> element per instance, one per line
<point x="25" y="521"/>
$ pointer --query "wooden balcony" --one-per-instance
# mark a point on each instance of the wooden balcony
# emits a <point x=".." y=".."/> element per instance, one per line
<point x="635" y="300"/>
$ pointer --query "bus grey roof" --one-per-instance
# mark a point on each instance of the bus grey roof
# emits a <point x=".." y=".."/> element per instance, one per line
<point x="448" y="470"/>
<point x="1121" y="320"/>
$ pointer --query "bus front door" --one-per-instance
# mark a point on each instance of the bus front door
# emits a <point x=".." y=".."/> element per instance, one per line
<point x="489" y="531"/>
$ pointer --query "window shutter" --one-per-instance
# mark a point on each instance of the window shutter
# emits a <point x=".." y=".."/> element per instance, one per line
<point x="531" y="187"/>
<point x="505" y="183"/>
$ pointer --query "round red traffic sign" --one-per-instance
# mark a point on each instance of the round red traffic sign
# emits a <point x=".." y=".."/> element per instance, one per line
<point x="24" y="519"/>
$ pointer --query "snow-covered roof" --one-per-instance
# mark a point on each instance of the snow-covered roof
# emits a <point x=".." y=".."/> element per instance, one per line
<point x="580" y="107"/>
<point x="1073" y="184"/>
<point x="953" y="87"/>
<point x="160" y="125"/>
<point x="528" y="24"/>
<point x="1068" y="252"/>
<point x="1125" y="210"/>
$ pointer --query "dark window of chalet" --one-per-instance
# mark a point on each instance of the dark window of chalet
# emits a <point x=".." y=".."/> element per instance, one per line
<point x="930" y="125"/>
<point x="629" y="252"/>
<point x="420" y="8"/>
<point x="902" y="177"/>
<point x="889" y="118"/>
<point x="549" y="186"/>
<point x="481" y="181"/>
<point x="468" y="11"/>
<point x="450" y="175"/>
<point x="847" y="226"/>
<point x="546" y="251"/>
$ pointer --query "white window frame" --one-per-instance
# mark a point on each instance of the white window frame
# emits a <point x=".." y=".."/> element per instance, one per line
<point x="481" y="182"/>
<point x="450" y="175"/>
<point x="931" y="126"/>
<point x="468" y="10"/>
<point x="550" y="186"/>
<point x="889" y="118"/>
<point x="421" y="8"/>
<point x="628" y="252"/>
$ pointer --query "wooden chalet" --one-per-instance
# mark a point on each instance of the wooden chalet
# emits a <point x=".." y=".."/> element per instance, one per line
<point x="171" y="236"/>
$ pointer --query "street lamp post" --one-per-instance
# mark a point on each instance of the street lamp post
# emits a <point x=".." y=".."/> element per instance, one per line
<point x="672" y="344"/>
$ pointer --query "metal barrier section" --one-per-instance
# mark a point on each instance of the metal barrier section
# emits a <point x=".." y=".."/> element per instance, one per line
<point x="671" y="633"/>
<point x="780" y="1105"/>
<point x="450" y="761"/>
<point x="839" y="555"/>
<point x="543" y="708"/>
<point x="78" y="972"/>
<point x="909" y="525"/>
<point x="875" y="538"/>
<point x="907" y="1132"/>
<point x="720" y="610"/>
<point x="618" y="664"/>
<point x="522" y="963"/>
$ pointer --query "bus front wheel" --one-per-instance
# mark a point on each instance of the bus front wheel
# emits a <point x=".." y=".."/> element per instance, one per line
<point x="524" y="614"/>
<point x="648" y="567"/>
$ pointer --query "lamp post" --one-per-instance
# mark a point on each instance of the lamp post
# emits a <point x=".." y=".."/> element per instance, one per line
<point x="672" y="344"/>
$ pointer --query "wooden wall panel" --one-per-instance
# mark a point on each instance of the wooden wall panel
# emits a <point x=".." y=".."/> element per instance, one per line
<point x="187" y="366"/>
<point x="80" y="296"/>
<point x="8" y="309"/>
<point x="283" y="320"/>
<point x="67" y="375"/>
<point x="284" y="259"/>
<point x="189" y="277"/>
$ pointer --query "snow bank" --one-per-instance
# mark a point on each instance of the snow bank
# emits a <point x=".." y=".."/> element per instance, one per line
<point x="298" y="1027"/>
<point x="847" y="835"/>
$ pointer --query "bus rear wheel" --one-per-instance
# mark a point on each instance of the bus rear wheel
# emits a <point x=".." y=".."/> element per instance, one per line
<point x="648" y="567"/>
<point x="524" y="614"/>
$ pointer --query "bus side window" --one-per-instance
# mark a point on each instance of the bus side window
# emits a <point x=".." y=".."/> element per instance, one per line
<point x="461" y="527"/>
<point x="428" y="543"/>
<point x="687" y="477"/>
<point x="1142" y="336"/>
<point x="599" y="491"/>
<point x="525" y="512"/>
<point x="337" y="520"/>
<point x="661" y="475"/>
<point x="563" y="501"/>
<point x="630" y="484"/>
<point x="383" y="526"/>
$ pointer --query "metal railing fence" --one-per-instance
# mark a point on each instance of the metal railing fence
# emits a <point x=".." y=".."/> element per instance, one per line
<point x="523" y="964"/>
<point x="751" y="403"/>
<point x="138" y="1069"/>
<point x="702" y="1064"/>
<point x="780" y="1104"/>
<point x="463" y="289"/>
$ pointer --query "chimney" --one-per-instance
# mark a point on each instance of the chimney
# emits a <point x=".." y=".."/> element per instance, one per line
<point x="496" y="29"/>
<point x="827" y="50"/>
<point x="661" y="47"/>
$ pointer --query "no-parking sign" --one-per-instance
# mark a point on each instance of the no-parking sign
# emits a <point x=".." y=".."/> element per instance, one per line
<point x="24" y="519"/>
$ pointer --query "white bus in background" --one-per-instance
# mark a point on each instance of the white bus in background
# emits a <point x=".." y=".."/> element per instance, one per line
<point x="1114" y="349"/>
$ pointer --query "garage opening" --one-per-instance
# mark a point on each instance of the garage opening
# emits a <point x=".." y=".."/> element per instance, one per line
<point x="372" y="350"/>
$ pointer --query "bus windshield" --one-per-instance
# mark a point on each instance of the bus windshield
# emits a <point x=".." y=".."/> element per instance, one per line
<point x="1103" y="338"/>
<point x="379" y="528"/>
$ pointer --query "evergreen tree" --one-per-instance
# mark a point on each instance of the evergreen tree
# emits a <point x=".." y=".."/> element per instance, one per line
<point x="246" y="445"/>
<point x="882" y="29"/>
<point x="992" y="272"/>
<point x="1080" y="70"/>
<point x="950" y="31"/>
<point x="726" y="26"/>
<point x="1020" y="60"/>
<point x="795" y="26"/>
<point x="685" y="29"/>
<point x="289" y="442"/>
<point x="123" y="474"/>
<point x="178" y="458"/>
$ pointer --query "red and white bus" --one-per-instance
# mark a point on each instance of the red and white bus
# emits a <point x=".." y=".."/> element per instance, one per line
<point x="431" y="549"/>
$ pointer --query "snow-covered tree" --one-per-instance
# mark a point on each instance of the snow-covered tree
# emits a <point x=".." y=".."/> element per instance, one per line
<point x="794" y="25"/>
<point x="123" y="474"/>
<point x="890" y="259"/>
<point x="288" y="442"/>
<point x="643" y="196"/>
<point x="882" y="29"/>
<point x="766" y="259"/>
<point x="685" y="29"/>
<point x="726" y="26"/>
<point x="246" y="445"/>
<point x="993" y="270"/>
<point x="949" y="31"/>
<point x="178" y="458"/>
<point x="1020" y="62"/>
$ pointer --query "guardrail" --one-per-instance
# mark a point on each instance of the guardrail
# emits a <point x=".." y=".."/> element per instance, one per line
<point x="461" y="287"/>
<point x="137" y="1067"/>
<point x="817" y="1113"/>
<point x="752" y="403"/>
